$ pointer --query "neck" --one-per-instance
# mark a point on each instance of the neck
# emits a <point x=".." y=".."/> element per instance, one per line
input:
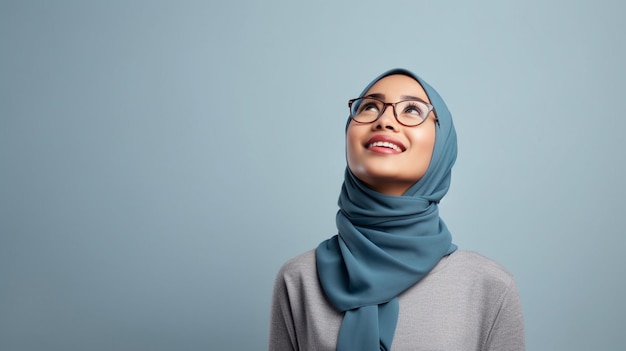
<point x="390" y="188"/>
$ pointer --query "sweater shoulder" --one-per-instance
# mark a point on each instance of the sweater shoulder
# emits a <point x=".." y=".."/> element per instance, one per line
<point x="301" y="265"/>
<point x="480" y="267"/>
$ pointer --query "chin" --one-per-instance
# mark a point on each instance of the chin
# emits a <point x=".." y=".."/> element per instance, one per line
<point x="384" y="177"/>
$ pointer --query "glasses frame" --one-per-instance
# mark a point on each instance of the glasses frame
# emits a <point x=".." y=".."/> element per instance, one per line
<point x="393" y="105"/>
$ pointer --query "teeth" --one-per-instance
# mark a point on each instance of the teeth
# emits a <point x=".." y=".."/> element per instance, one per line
<point x="386" y="144"/>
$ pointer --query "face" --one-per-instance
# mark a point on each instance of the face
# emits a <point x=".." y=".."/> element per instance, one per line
<point x="385" y="155"/>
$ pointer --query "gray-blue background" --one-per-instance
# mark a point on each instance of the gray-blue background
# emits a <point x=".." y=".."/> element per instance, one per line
<point x="159" y="161"/>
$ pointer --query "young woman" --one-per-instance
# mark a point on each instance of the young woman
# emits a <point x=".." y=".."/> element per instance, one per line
<point x="392" y="279"/>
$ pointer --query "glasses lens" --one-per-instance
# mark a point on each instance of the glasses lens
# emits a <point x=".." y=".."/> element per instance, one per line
<point x="365" y="110"/>
<point x="412" y="113"/>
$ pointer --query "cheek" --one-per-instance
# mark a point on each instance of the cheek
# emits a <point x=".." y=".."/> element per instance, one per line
<point x="350" y="146"/>
<point x="424" y="136"/>
<point x="428" y="143"/>
<point x="424" y="145"/>
<point x="355" y="152"/>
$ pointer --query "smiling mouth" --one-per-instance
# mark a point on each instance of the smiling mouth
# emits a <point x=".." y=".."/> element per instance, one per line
<point x="385" y="144"/>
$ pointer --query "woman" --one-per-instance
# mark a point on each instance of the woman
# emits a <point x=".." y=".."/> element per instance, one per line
<point x="392" y="279"/>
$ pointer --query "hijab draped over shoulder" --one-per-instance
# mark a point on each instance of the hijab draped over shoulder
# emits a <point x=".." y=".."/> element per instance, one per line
<point x="385" y="244"/>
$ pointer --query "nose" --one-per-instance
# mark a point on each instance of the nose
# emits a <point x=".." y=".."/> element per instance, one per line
<point x="387" y="120"/>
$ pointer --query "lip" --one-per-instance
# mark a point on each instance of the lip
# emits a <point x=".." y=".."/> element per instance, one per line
<point x="385" y="138"/>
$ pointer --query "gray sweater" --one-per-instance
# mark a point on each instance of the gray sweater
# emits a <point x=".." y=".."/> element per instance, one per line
<point x="467" y="302"/>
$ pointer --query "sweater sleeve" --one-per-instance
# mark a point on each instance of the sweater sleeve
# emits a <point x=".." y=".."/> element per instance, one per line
<point x="507" y="332"/>
<point x="282" y="330"/>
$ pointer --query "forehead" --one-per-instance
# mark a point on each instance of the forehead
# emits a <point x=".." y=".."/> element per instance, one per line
<point x="395" y="86"/>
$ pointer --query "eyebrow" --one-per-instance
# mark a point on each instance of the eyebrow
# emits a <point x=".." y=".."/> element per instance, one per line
<point x="403" y="97"/>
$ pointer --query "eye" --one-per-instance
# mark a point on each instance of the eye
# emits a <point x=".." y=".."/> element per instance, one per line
<point x="413" y="108"/>
<point x="369" y="106"/>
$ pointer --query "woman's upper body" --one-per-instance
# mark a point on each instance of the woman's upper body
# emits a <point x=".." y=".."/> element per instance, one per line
<point x="400" y="149"/>
<point x="467" y="302"/>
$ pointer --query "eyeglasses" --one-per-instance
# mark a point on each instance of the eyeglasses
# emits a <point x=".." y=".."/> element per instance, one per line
<point x="369" y="109"/>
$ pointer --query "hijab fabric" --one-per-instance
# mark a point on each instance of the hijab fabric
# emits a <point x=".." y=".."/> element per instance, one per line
<point x="386" y="243"/>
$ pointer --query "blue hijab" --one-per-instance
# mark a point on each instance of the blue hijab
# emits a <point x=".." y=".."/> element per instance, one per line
<point x="386" y="243"/>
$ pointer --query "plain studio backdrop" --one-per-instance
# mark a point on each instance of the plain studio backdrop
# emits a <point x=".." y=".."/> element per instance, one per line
<point x="159" y="161"/>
